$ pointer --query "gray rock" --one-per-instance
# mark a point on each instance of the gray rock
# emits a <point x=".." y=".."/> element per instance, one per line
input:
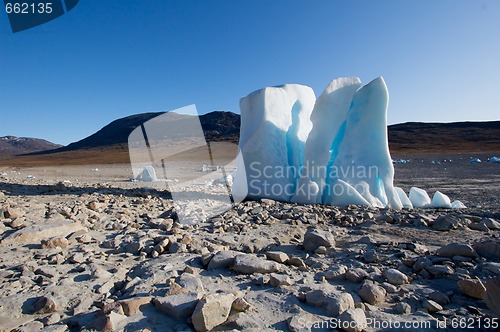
<point x="472" y="287"/>
<point x="337" y="303"/>
<point x="356" y="275"/>
<point x="43" y="305"/>
<point x="179" y="306"/>
<point x="492" y="296"/>
<point x="316" y="297"/>
<point x="37" y="233"/>
<point x="244" y="322"/>
<point x="489" y="249"/>
<point x="276" y="280"/>
<point x="491" y="223"/>
<point x="445" y="223"/>
<point x="439" y="297"/>
<point x="247" y="264"/>
<point x="457" y="249"/>
<point x="402" y="308"/>
<point x="299" y="322"/>
<point x="316" y="237"/>
<point x="372" y="293"/>
<point x="432" y="306"/>
<point x="222" y="260"/>
<point x="211" y="311"/>
<point x="353" y="320"/>
<point x="277" y="256"/>
<point x="190" y="282"/>
<point x="395" y="277"/>
<point x="440" y="270"/>
<point x="336" y="273"/>
<point x="422" y="263"/>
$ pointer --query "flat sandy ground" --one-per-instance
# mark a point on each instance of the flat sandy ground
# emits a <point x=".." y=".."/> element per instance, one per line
<point x="91" y="272"/>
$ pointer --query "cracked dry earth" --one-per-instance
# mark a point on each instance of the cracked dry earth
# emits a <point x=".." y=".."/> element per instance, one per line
<point x="96" y="254"/>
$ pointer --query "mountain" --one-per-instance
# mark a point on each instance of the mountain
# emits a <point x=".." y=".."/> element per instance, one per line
<point x="418" y="137"/>
<point x="109" y="145"/>
<point x="11" y="145"/>
<point x="216" y="126"/>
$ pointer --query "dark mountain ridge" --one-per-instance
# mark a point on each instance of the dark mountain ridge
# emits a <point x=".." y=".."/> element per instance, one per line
<point x="109" y="144"/>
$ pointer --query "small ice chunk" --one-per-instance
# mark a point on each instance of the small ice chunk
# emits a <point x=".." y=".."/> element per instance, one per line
<point x="458" y="205"/>
<point x="494" y="160"/>
<point x="475" y="160"/>
<point x="404" y="199"/>
<point x="148" y="174"/>
<point x="419" y="198"/>
<point x="440" y="200"/>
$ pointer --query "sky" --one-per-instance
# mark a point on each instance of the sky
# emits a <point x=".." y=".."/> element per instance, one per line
<point x="105" y="60"/>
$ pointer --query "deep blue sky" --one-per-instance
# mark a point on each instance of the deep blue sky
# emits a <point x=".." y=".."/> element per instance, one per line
<point x="107" y="59"/>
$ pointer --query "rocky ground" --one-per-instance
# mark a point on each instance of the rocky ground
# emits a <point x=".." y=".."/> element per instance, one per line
<point x="82" y="249"/>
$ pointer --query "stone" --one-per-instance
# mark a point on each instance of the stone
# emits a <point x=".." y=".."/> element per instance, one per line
<point x="133" y="305"/>
<point x="241" y="321"/>
<point x="190" y="282"/>
<point x="353" y="320"/>
<point x="277" y="256"/>
<point x="54" y="242"/>
<point x="432" y="306"/>
<point x="492" y="295"/>
<point x="457" y="249"/>
<point x="445" y="223"/>
<point x="55" y="328"/>
<point x="222" y="260"/>
<point x="316" y="297"/>
<point x="43" y="305"/>
<point x="39" y="232"/>
<point x="337" y="303"/>
<point x="472" y="287"/>
<point x="372" y="293"/>
<point x="110" y="322"/>
<point x="177" y="247"/>
<point x="395" y="277"/>
<point x="13" y="213"/>
<point x="316" y="237"/>
<point x="276" y="280"/>
<point x="422" y="263"/>
<point x="491" y="223"/>
<point x="479" y="226"/>
<point x="240" y="304"/>
<point x="356" y="275"/>
<point x="211" y="311"/>
<point x="296" y="261"/>
<point x="489" y="249"/>
<point x="300" y="322"/>
<point x="440" y="270"/>
<point x="248" y="264"/>
<point x="402" y="308"/>
<point x="439" y="297"/>
<point x="179" y="306"/>
<point x="336" y="273"/>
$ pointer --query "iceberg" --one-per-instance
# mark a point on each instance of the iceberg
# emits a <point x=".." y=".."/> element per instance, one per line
<point x="332" y="150"/>
<point x="419" y="198"/>
<point x="440" y="200"/>
<point x="275" y="125"/>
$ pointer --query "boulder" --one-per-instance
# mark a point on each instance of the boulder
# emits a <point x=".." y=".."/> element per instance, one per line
<point x="316" y="237"/>
<point x="248" y="264"/>
<point x="179" y="306"/>
<point x="211" y="311"/>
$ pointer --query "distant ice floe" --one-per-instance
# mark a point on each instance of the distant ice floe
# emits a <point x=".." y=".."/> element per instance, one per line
<point x="475" y="160"/>
<point x="494" y="160"/>
<point x="401" y="161"/>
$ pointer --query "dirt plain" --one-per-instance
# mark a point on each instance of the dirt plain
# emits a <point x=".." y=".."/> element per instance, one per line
<point x="85" y="248"/>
